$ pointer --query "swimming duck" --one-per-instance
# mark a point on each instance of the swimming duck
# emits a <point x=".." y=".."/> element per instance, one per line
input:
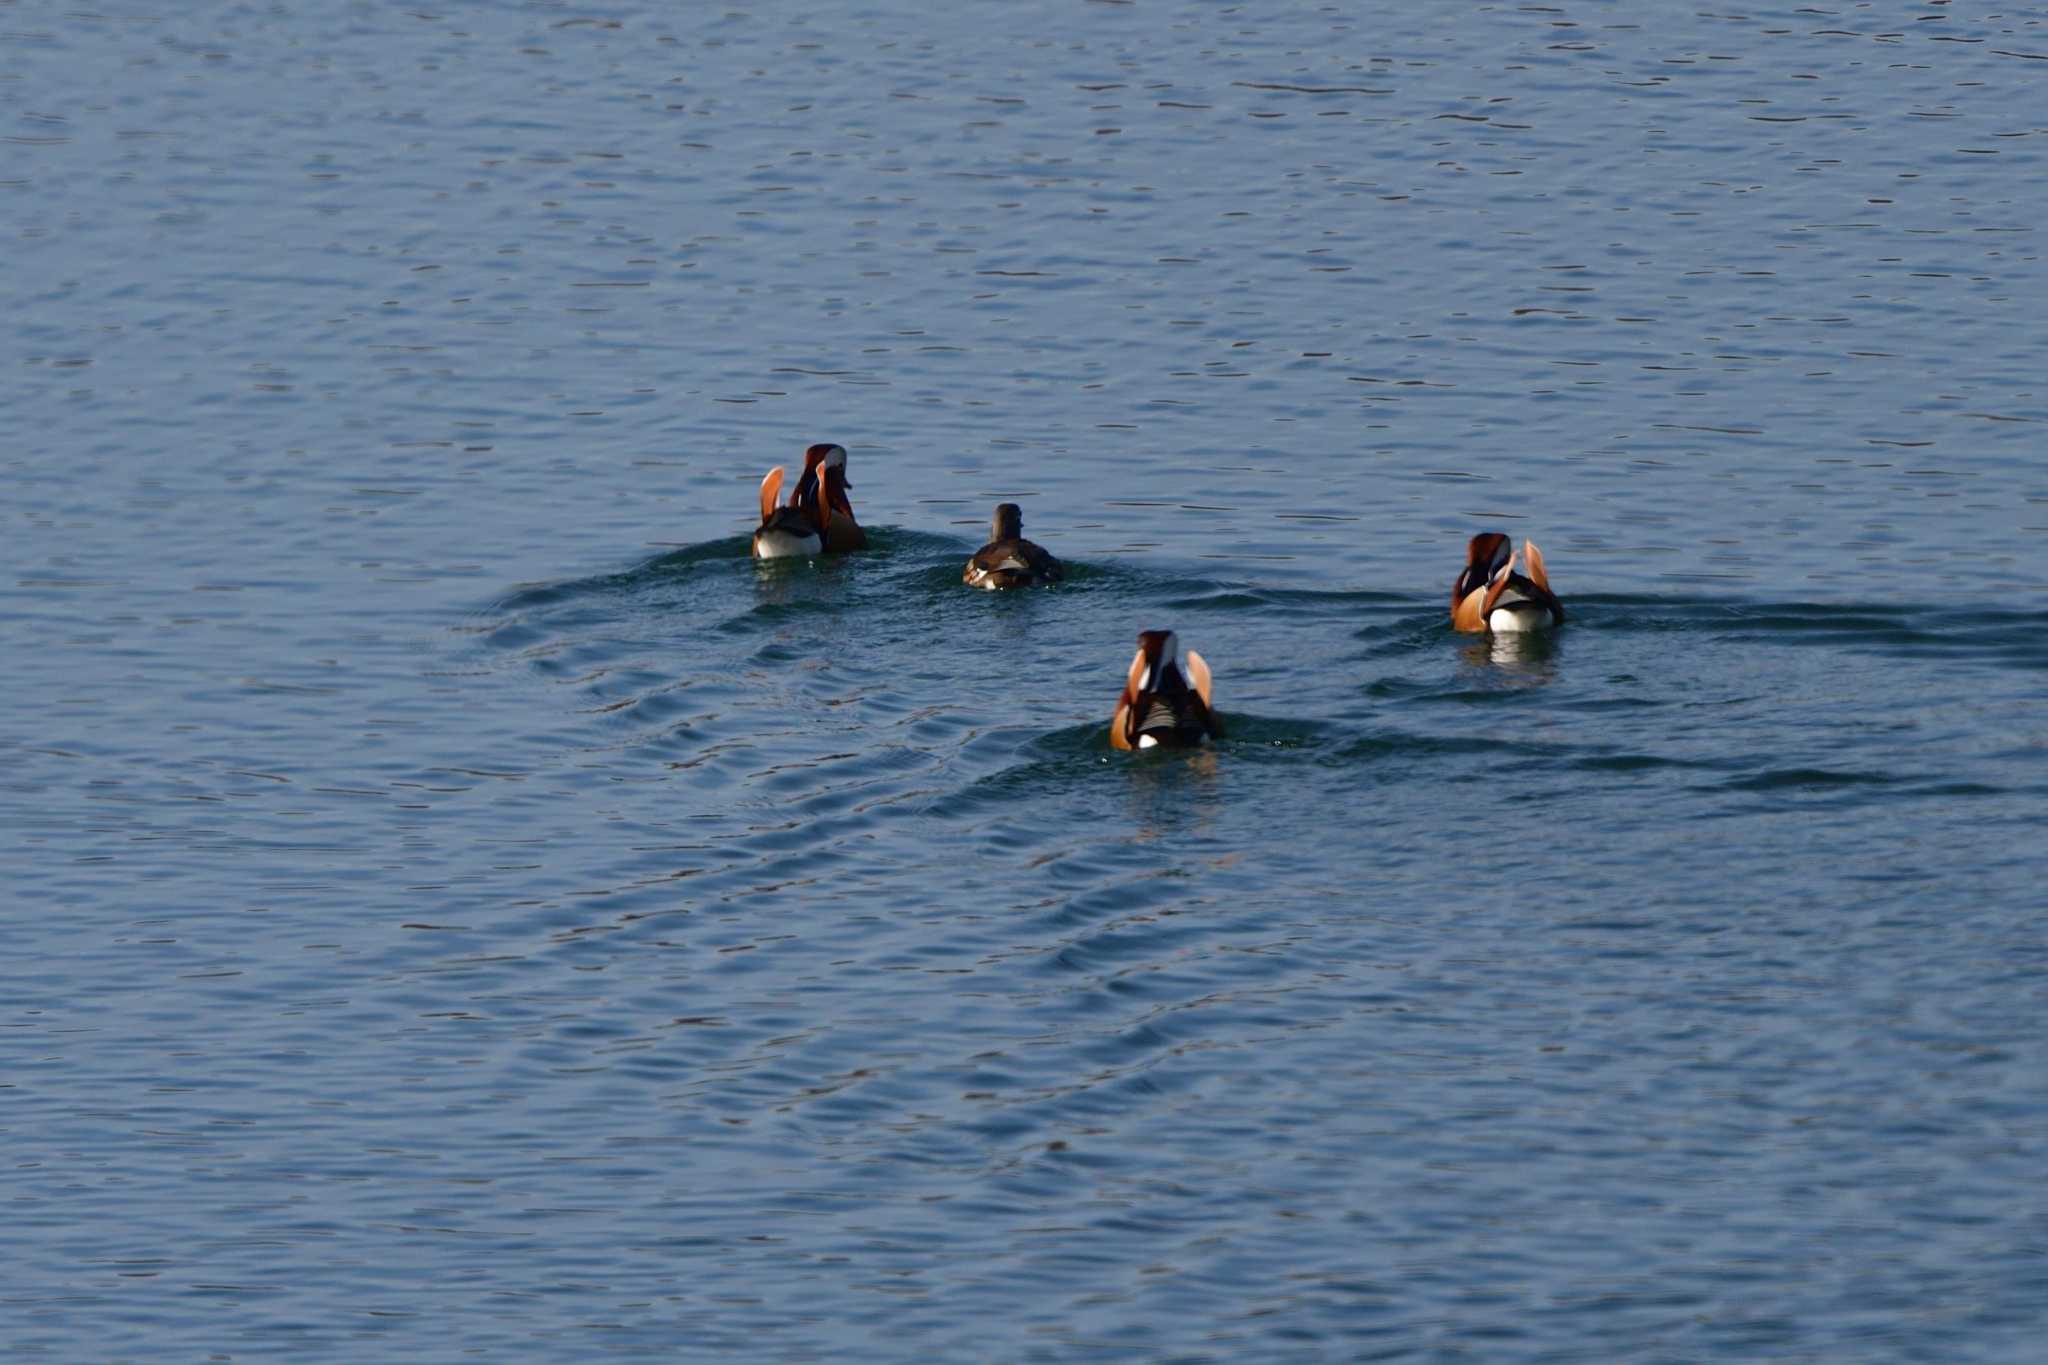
<point x="825" y="470"/>
<point x="1165" y="701"/>
<point x="1009" y="560"/>
<point x="1490" y="595"/>
<point x="788" y="531"/>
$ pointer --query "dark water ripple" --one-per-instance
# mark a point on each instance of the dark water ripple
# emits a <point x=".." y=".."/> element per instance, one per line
<point x="1095" y="1019"/>
<point x="1094" y="1058"/>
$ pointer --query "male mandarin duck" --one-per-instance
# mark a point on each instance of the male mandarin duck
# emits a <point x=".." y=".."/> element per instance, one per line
<point x="1165" y="701"/>
<point x="1009" y="560"/>
<point x="1490" y="595"/>
<point x="791" y="530"/>
<point x="825" y="471"/>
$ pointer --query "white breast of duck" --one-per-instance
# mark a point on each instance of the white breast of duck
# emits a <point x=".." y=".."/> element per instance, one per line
<point x="794" y="540"/>
<point x="1515" y="610"/>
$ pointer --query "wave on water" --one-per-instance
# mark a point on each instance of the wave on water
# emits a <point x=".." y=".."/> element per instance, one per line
<point x="878" y="680"/>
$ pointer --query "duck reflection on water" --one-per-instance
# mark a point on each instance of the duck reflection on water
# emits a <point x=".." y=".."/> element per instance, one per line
<point x="1527" y="659"/>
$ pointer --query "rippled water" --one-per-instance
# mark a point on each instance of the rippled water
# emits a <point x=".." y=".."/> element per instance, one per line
<point x="460" y="905"/>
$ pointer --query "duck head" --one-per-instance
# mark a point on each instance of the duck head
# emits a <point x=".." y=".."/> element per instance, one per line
<point x="1007" y="524"/>
<point x="1490" y="556"/>
<point x="825" y="469"/>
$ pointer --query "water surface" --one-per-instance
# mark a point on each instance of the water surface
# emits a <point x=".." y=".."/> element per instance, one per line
<point x="461" y="905"/>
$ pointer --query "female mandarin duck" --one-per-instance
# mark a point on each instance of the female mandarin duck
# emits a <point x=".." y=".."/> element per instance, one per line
<point x="1165" y="702"/>
<point x="1490" y="595"/>
<point x="1009" y="560"/>
<point x="825" y="470"/>
<point x="789" y="531"/>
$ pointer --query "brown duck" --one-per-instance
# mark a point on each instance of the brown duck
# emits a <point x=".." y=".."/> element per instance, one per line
<point x="1009" y="560"/>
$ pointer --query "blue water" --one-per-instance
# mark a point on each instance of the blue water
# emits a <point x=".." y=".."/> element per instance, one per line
<point x="459" y="905"/>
